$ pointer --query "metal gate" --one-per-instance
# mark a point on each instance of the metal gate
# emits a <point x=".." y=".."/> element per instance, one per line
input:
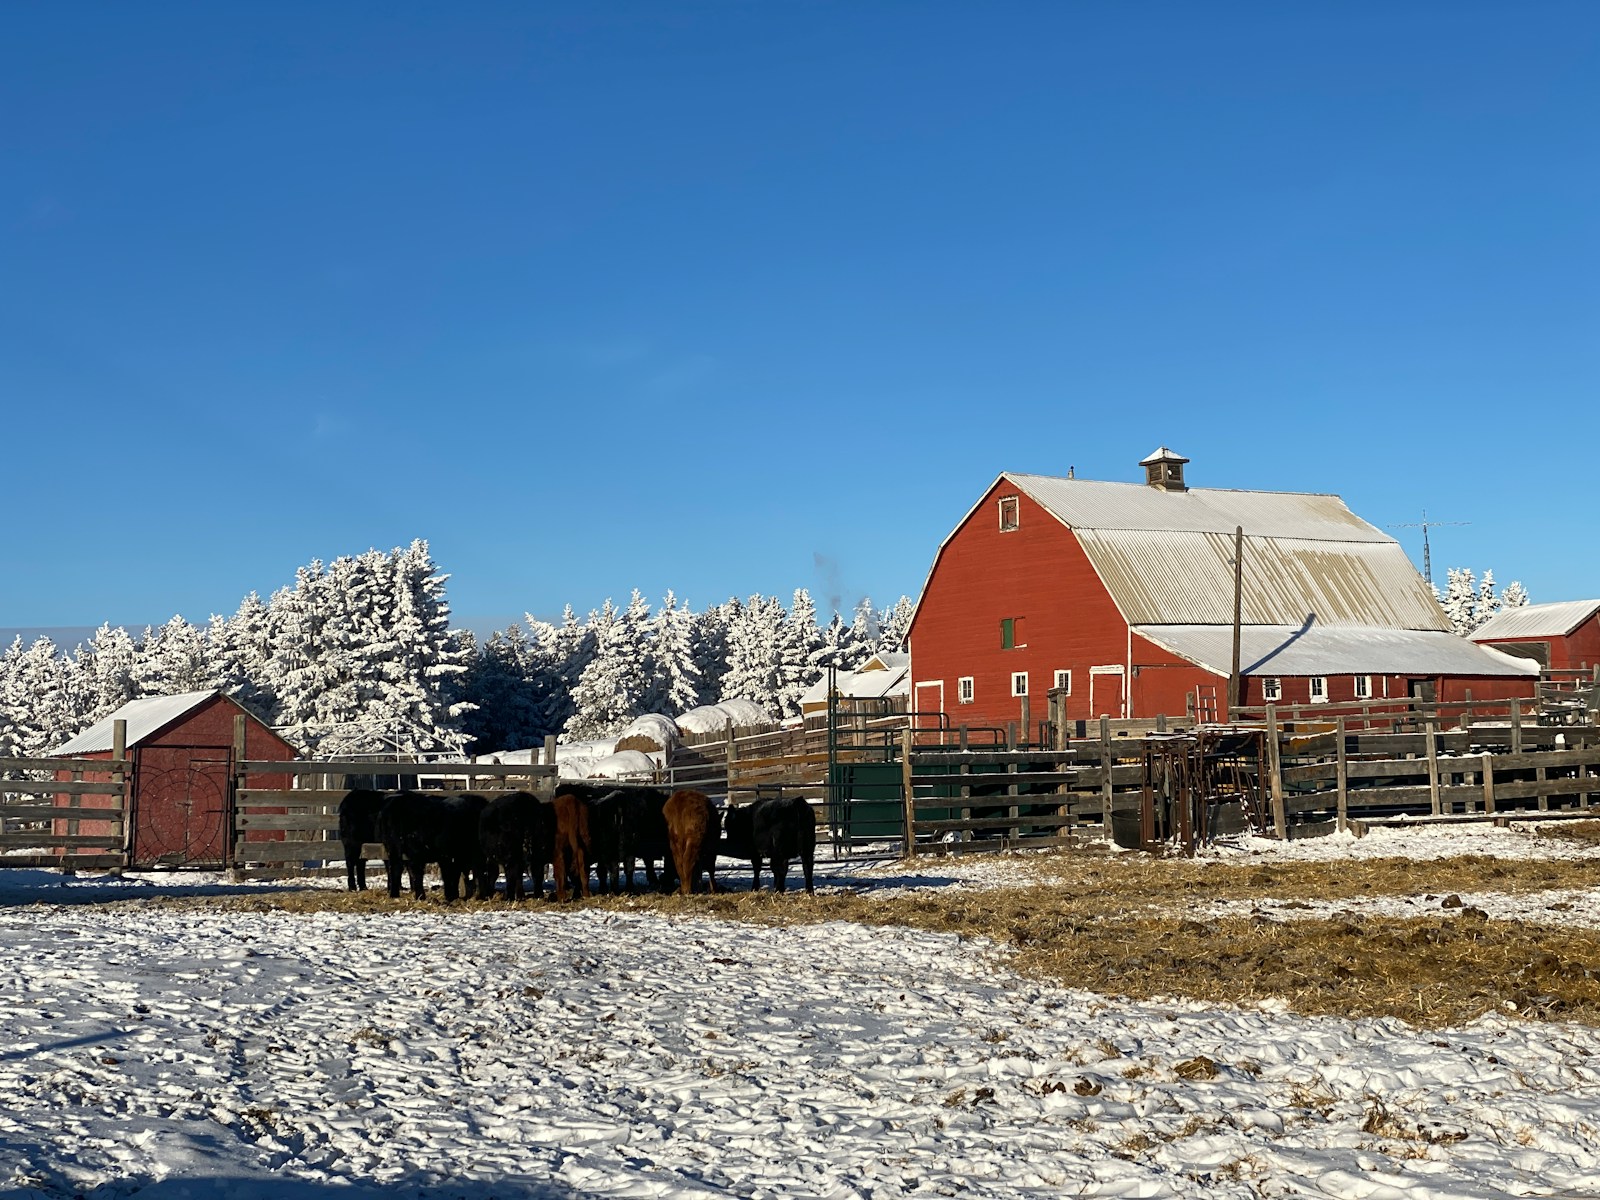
<point x="180" y="805"/>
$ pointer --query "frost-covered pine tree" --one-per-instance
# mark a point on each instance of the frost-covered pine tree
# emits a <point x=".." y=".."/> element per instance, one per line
<point x="612" y="688"/>
<point x="1515" y="596"/>
<point x="896" y="625"/>
<point x="109" y="678"/>
<point x="1460" y="599"/>
<point x="419" y="660"/>
<point x="710" y="642"/>
<point x="798" y="643"/>
<point x="677" y="675"/>
<point x="240" y="647"/>
<point x="866" y="628"/>
<point x="833" y="648"/>
<point x="39" y="707"/>
<point x="173" y="659"/>
<point x="1488" y="602"/>
<point x="754" y="654"/>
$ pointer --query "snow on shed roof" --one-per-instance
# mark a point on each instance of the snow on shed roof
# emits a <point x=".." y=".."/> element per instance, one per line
<point x="892" y="679"/>
<point x="1331" y="650"/>
<point x="1537" y="620"/>
<point x="144" y="717"/>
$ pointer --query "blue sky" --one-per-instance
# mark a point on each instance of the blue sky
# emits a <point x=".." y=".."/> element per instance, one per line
<point x="737" y="297"/>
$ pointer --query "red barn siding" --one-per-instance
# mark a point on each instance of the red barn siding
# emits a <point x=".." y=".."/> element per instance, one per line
<point x="1577" y="651"/>
<point x="1036" y="572"/>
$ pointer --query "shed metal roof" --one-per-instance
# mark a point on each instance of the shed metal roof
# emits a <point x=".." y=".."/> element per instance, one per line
<point x="1537" y="620"/>
<point x="144" y="717"/>
<point x="1273" y="650"/>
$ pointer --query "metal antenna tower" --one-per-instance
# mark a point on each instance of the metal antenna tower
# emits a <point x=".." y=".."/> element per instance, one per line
<point x="1425" y="525"/>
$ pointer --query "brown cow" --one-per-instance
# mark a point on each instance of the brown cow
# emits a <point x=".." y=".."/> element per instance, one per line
<point x="693" y="830"/>
<point x="572" y="843"/>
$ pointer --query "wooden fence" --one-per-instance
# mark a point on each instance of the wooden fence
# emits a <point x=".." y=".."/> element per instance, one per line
<point x="46" y="802"/>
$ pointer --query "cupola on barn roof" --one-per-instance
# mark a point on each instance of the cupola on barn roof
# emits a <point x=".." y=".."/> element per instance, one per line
<point x="1164" y="470"/>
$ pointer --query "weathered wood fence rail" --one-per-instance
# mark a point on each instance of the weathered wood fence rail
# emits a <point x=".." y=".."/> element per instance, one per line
<point x="69" y="813"/>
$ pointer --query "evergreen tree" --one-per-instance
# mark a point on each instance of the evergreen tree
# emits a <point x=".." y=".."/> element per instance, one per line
<point x="799" y="642"/>
<point x="754" y="654"/>
<point x="38" y="706"/>
<point x="501" y="684"/>
<point x="677" y="675"/>
<point x="709" y="642"/>
<point x="615" y="681"/>
<point x="896" y="625"/>
<point x="1514" y="596"/>
<point x="866" y="628"/>
<point x="173" y="659"/>
<point x="1460" y="599"/>
<point x="109" y="674"/>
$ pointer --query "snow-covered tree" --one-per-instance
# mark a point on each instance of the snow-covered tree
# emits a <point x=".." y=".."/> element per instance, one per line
<point x="503" y="684"/>
<point x="38" y="706"/>
<point x="1513" y="597"/>
<point x="1468" y="603"/>
<point x="109" y="673"/>
<point x="710" y="643"/>
<point x="799" y="640"/>
<point x="174" y="658"/>
<point x="754" y="654"/>
<point x="614" y="685"/>
<point x="896" y="624"/>
<point x="677" y="674"/>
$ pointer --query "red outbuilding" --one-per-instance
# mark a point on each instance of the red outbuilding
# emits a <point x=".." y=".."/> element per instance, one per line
<point x="1121" y="596"/>
<point x="180" y="750"/>
<point x="1561" y="637"/>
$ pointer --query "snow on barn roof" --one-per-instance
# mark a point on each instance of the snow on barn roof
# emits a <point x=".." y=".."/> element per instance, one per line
<point x="1537" y="620"/>
<point x="1274" y="650"/>
<point x="144" y="717"/>
<point x="1166" y="557"/>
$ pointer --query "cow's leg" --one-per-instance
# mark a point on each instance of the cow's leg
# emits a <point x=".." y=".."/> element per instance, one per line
<point x="393" y="866"/>
<point x="450" y="873"/>
<point x="780" y="873"/>
<point x="416" y="868"/>
<point x="755" y="872"/>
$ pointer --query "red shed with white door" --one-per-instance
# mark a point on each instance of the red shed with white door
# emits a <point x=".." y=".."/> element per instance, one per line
<point x="1563" y="637"/>
<point x="1121" y="595"/>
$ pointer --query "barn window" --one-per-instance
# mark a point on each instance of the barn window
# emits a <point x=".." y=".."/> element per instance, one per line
<point x="1064" y="682"/>
<point x="1009" y="513"/>
<point x="964" y="689"/>
<point x="1019" y="683"/>
<point x="1272" y="689"/>
<point x="1011" y="633"/>
<point x="1363" y="687"/>
<point x="1319" y="688"/>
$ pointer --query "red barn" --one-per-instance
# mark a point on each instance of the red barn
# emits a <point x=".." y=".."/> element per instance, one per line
<point x="1562" y="637"/>
<point x="1121" y="595"/>
<point x="181" y="761"/>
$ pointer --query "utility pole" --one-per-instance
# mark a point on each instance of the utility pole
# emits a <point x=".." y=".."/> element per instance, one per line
<point x="1425" y="525"/>
<point x="1238" y="609"/>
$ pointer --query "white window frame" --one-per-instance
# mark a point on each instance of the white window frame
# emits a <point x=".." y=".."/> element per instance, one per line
<point x="1019" y="677"/>
<point x="1015" y="506"/>
<point x="1271" y="689"/>
<point x="1063" y="679"/>
<point x="964" y="690"/>
<point x="1319" y="683"/>
<point x="1363" y="687"/>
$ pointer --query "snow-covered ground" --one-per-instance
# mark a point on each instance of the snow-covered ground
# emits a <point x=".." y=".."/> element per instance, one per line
<point x="185" y="1051"/>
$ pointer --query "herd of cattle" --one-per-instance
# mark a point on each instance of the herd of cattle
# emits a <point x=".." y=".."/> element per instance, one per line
<point x="583" y="827"/>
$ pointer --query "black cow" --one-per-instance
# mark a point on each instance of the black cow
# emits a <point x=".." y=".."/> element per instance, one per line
<point x="358" y="825"/>
<point x="777" y="829"/>
<point x="517" y="833"/>
<point x="416" y="830"/>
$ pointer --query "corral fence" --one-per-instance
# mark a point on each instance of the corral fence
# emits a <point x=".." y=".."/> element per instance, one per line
<point x="69" y="813"/>
<point x="295" y="830"/>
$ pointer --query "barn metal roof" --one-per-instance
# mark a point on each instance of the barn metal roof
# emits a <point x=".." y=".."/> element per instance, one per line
<point x="1537" y="620"/>
<point x="1273" y="650"/>
<point x="1166" y="558"/>
<point x="144" y="717"/>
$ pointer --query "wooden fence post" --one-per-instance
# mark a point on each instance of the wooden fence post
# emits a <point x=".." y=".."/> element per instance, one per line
<point x="1430" y="738"/>
<point x="1342" y="777"/>
<point x="230" y="849"/>
<point x="1488" y="783"/>
<point x="907" y="789"/>
<point x="549" y="757"/>
<point x="119" y="774"/>
<point x="1516" y="727"/>
<point x="1280" y="815"/>
<point x="1105" y="776"/>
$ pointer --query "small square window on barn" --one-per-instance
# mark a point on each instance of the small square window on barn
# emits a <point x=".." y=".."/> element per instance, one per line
<point x="1319" y="689"/>
<point x="1019" y="683"/>
<point x="1064" y="682"/>
<point x="1363" y="687"/>
<point x="1272" y="689"/>
<point x="964" y="689"/>
<point x="1010" y="513"/>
